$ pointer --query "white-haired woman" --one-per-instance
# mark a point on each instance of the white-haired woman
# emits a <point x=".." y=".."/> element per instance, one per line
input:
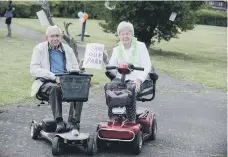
<point x="130" y="50"/>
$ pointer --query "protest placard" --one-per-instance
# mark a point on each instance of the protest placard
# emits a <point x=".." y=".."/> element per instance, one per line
<point x="93" y="56"/>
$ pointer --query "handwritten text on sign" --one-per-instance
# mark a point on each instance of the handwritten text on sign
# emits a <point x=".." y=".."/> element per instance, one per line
<point x="93" y="56"/>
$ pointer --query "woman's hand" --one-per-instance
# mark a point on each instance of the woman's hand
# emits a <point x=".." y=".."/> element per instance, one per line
<point x="105" y="56"/>
<point x="138" y="83"/>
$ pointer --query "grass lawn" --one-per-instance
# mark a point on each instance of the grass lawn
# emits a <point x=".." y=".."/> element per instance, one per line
<point x="15" y="54"/>
<point x="199" y="55"/>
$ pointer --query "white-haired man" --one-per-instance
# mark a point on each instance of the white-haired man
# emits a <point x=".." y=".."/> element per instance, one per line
<point x="49" y="58"/>
<point x="129" y="50"/>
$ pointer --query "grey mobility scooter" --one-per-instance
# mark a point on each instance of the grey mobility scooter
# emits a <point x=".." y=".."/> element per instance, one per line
<point x="75" y="88"/>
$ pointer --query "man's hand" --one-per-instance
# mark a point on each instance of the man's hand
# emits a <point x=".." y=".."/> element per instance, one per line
<point x="138" y="83"/>
<point x="81" y="64"/>
<point x="57" y="80"/>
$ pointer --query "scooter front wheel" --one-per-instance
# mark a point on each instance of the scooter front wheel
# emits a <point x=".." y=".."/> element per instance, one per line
<point x="90" y="145"/>
<point x="56" y="146"/>
<point x="101" y="145"/>
<point x="137" y="143"/>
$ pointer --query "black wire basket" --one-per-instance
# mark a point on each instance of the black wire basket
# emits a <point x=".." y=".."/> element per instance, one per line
<point x="75" y="88"/>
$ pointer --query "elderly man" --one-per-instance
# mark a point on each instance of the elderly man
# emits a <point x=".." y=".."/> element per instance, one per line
<point x="129" y="50"/>
<point x="49" y="58"/>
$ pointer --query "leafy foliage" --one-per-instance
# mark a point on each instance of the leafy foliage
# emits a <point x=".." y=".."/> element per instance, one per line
<point x="211" y="17"/>
<point x="151" y="18"/>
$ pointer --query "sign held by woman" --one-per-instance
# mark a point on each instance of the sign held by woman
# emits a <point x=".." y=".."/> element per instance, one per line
<point x="93" y="56"/>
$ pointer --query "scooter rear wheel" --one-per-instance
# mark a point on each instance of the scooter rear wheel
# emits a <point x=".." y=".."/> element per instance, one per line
<point x="154" y="130"/>
<point x="34" y="130"/>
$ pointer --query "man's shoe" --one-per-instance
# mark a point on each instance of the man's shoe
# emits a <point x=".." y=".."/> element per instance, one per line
<point x="72" y="126"/>
<point x="60" y="127"/>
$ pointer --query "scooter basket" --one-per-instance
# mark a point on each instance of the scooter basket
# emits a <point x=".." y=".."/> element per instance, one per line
<point x="75" y="88"/>
<point x="118" y="98"/>
<point x="119" y="95"/>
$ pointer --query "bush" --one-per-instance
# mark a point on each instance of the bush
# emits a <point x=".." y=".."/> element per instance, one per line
<point x="34" y="8"/>
<point x="58" y="9"/>
<point x="211" y="17"/>
<point x="23" y="10"/>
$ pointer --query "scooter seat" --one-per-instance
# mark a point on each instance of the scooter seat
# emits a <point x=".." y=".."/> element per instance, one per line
<point x="146" y="88"/>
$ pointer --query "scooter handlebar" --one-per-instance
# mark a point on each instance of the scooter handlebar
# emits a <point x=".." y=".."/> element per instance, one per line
<point x="139" y="68"/>
<point x="130" y="66"/>
<point x="74" y="72"/>
<point x="111" y="67"/>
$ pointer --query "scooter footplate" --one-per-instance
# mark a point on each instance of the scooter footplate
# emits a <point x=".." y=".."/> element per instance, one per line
<point x="47" y="135"/>
<point x="70" y="136"/>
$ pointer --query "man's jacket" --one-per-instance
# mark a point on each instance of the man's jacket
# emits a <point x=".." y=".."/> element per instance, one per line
<point x="40" y="64"/>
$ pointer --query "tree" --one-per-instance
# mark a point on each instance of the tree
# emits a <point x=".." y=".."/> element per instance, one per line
<point x="151" y="18"/>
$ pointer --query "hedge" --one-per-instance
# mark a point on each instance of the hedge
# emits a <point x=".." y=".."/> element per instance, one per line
<point x="211" y="17"/>
<point x="58" y="9"/>
<point x="96" y="11"/>
<point x="23" y="10"/>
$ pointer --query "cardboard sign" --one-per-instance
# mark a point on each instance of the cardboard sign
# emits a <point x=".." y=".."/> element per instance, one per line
<point x="172" y="16"/>
<point x="93" y="56"/>
<point x="43" y="18"/>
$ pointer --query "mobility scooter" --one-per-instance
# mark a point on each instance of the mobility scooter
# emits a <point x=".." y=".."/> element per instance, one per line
<point x="75" y="88"/>
<point x="120" y="129"/>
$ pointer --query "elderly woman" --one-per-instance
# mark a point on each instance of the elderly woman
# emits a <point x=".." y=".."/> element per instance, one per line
<point x="129" y="50"/>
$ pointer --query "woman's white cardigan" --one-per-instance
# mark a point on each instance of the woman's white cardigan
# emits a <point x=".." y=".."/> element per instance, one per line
<point x="142" y="59"/>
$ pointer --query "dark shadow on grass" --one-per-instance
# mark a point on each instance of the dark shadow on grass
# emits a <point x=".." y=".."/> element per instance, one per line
<point x="2" y="111"/>
<point x="170" y="54"/>
<point x="185" y="57"/>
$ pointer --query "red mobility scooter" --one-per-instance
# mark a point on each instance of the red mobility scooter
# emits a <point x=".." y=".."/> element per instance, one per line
<point x="120" y="129"/>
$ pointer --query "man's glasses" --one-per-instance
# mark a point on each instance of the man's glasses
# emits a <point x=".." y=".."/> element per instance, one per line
<point x="55" y="35"/>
